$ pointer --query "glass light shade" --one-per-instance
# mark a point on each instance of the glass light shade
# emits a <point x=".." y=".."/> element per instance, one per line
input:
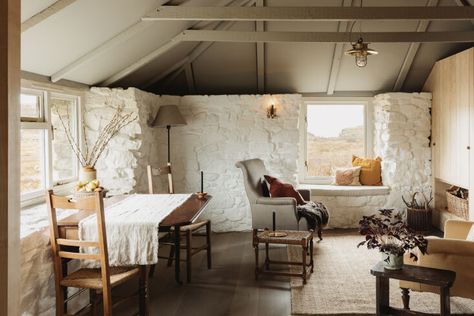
<point x="361" y="60"/>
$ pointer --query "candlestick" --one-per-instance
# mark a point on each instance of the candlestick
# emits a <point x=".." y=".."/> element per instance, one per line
<point x="202" y="181"/>
<point x="274" y="221"/>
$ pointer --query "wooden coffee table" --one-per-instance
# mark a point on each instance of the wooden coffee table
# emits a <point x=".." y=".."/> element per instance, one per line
<point x="443" y="279"/>
<point x="298" y="238"/>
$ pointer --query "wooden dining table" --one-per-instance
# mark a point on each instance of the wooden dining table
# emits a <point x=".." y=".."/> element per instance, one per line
<point x="185" y="214"/>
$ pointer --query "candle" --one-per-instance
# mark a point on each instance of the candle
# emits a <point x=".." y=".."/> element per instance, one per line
<point x="202" y="181"/>
<point x="274" y="220"/>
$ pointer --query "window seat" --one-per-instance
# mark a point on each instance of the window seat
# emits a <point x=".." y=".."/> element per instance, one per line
<point x="347" y="204"/>
<point x="339" y="190"/>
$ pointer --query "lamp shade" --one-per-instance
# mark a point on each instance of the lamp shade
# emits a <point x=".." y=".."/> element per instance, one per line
<point x="168" y="115"/>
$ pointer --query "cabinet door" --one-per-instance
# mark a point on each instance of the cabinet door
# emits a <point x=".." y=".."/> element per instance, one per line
<point x="461" y="120"/>
<point x="452" y="119"/>
<point x="432" y="85"/>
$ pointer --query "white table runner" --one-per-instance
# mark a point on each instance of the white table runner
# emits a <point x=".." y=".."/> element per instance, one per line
<point x="132" y="228"/>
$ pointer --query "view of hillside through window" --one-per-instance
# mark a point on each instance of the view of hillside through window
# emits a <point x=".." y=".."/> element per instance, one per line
<point x="335" y="133"/>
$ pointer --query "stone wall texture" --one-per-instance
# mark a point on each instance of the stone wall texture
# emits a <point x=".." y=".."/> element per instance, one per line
<point x="401" y="137"/>
<point x="402" y="126"/>
<point x="220" y="131"/>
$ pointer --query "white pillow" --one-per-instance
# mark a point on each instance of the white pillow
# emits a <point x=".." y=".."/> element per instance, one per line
<point x="347" y="176"/>
<point x="470" y="235"/>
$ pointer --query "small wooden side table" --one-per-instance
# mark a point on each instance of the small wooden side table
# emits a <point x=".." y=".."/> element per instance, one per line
<point x="443" y="279"/>
<point x="299" y="238"/>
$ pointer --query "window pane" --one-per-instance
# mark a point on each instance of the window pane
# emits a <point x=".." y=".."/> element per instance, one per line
<point x="64" y="160"/>
<point x="335" y="133"/>
<point x="32" y="160"/>
<point x="30" y="106"/>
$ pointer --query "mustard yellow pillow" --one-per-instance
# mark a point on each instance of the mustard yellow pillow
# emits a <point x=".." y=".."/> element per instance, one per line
<point x="371" y="170"/>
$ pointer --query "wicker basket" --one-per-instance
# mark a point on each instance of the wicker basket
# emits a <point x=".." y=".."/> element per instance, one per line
<point x="457" y="205"/>
<point x="419" y="219"/>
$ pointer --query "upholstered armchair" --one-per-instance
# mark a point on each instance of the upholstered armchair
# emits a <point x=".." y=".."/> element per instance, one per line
<point x="453" y="252"/>
<point x="263" y="207"/>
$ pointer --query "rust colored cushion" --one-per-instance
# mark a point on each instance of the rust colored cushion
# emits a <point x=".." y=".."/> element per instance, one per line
<point x="371" y="170"/>
<point x="279" y="188"/>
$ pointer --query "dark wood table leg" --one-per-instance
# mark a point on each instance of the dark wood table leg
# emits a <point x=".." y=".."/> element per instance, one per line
<point x="406" y="298"/>
<point x="382" y="295"/>
<point x="255" y="246"/>
<point x="445" y="301"/>
<point x="143" y="291"/>
<point x="311" y="260"/>
<point x="304" y="254"/>
<point x="177" y="252"/>
<point x="267" y="257"/>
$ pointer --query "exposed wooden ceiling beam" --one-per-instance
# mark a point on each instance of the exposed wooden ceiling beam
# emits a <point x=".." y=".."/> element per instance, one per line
<point x="46" y="13"/>
<point x="338" y="53"/>
<point x="102" y="48"/>
<point x="325" y="37"/>
<point x="195" y="53"/>
<point x="143" y="61"/>
<point x="463" y="3"/>
<point x="260" y="27"/>
<point x="188" y="71"/>
<point x="155" y="54"/>
<point x="177" y="66"/>
<point x="411" y="52"/>
<point x="309" y="13"/>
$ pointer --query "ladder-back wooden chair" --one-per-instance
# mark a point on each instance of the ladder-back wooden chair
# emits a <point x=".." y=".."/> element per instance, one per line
<point x="98" y="280"/>
<point x="187" y="231"/>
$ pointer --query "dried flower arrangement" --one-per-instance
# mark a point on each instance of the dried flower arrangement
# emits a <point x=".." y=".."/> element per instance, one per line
<point x="390" y="234"/>
<point x="88" y="156"/>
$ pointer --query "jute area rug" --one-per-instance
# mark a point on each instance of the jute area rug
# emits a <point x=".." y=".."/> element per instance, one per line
<point x="342" y="284"/>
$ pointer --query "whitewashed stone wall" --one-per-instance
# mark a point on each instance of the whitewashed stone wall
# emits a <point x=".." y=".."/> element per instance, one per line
<point x="220" y="131"/>
<point x="116" y="167"/>
<point x="402" y="124"/>
<point x="401" y="138"/>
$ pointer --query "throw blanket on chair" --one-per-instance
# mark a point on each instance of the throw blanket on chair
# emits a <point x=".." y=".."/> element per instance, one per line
<point x="316" y="215"/>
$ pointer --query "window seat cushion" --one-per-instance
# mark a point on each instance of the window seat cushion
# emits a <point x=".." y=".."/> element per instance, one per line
<point x="337" y="190"/>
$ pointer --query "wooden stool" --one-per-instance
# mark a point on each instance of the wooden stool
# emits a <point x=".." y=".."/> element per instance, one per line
<point x="298" y="238"/>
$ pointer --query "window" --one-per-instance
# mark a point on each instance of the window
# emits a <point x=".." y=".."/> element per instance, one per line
<point x="332" y="133"/>
<point x="46" y="158"/>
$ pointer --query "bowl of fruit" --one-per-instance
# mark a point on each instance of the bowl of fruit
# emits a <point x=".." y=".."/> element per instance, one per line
<point x="87" y="188"/>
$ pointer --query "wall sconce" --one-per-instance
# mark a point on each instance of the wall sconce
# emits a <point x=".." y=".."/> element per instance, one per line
<point x="271" y="111"/>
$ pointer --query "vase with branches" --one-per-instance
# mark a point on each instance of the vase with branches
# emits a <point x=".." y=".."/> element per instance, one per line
<point x="89" y="153"/>
<point x="388" y="232"/>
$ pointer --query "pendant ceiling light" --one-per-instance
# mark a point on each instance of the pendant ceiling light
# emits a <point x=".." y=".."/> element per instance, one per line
<point x="360" y="51"/>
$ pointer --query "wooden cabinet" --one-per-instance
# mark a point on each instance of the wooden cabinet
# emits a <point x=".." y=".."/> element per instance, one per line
<point x="451" y="82"/>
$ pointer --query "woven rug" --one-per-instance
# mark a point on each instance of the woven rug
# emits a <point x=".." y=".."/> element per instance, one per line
<point x="342" y="284"/>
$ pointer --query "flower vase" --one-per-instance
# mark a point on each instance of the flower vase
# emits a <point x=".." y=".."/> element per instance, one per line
<point x="391" y="261"/>
<point x="87" y="174"/>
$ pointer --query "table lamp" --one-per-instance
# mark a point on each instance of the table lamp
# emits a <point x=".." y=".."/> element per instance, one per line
<point x="168" y="115"/>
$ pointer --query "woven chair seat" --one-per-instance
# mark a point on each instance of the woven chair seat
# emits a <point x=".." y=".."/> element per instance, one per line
<point x="194" y="226"/>
<point x="92" y="278"/>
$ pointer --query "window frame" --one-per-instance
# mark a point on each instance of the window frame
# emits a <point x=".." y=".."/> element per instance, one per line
<point x="303" y="176"/>
<point x="45" y="123"/>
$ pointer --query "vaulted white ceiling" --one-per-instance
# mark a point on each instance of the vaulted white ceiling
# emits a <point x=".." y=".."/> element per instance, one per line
<point x="100" y="41"/>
